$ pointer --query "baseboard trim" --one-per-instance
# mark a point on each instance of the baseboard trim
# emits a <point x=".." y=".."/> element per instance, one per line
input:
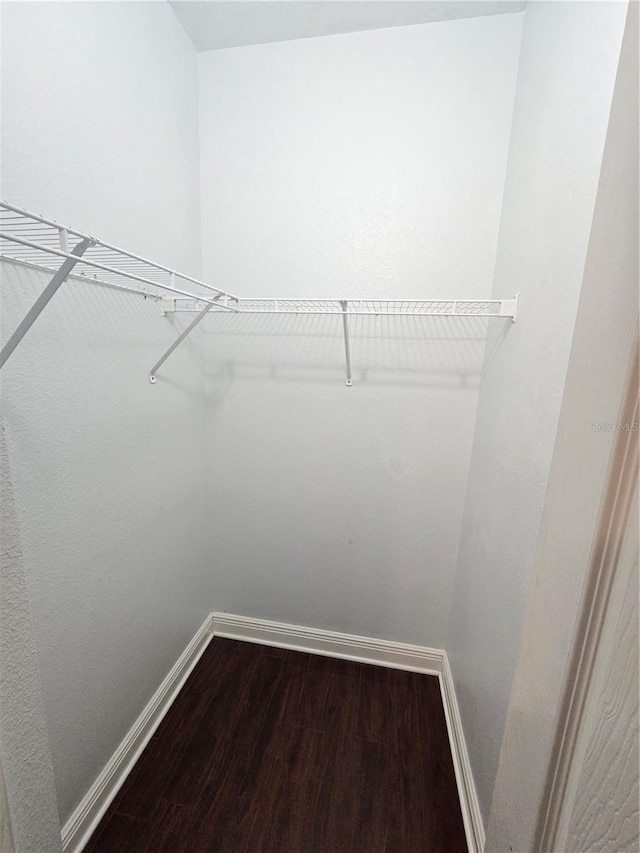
<point x="382" y="653"/>
<point x="78" y="829"/>
<point x="471" y="814"/>
<point x="329" y="643"/>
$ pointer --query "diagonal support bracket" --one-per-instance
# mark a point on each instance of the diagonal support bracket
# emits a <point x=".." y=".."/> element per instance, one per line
<point x="347" y="347"/>
<point x="180" y="338"/>
<point x="41" y="302"/>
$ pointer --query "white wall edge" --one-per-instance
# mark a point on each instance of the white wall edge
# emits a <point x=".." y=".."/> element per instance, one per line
<point x="382" y="653"/>
<point x="78" y="829"/>
<point x="469" y="803"/>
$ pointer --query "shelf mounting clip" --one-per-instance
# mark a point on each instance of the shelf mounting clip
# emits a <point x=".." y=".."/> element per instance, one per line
<point x="509" y="308"/>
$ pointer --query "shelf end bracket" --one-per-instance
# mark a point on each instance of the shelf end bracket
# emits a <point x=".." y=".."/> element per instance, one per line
<point x="509" y="308"/>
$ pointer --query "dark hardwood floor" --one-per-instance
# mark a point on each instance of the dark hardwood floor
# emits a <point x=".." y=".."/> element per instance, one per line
<point x="272" y="751"/>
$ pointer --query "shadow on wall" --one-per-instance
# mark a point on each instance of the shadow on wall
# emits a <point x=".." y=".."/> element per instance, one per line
<point x="421" y="352"/>
<point x="332" y="506"/>
<point x="115" y="327"/>
<point x="437" y="352"/>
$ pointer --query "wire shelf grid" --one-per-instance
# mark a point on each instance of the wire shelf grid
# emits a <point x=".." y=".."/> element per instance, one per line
<point x="34" y="240"/>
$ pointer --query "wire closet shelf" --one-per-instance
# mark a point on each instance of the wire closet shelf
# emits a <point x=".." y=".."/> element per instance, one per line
<point x="38" y="242"/>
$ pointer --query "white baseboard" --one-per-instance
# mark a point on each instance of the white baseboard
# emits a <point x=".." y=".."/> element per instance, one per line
<point x="382" y="653"/>
<point x="78" y="829"/>
<point x="471" y="814"/>
<point x="329" y="643"/>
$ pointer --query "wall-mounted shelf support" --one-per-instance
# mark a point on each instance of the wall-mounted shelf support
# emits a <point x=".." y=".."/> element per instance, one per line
<point x="180" y="338"/>
<point x="347" y="349"/>
<point x="509" y="308"/>
<point x="36" y="309"/>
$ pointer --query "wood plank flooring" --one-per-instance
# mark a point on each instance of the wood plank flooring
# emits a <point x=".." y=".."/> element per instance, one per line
<point x="271" y="751"/>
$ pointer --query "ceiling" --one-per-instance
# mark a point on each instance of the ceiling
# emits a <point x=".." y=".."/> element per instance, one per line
<point x="214" y="24"/>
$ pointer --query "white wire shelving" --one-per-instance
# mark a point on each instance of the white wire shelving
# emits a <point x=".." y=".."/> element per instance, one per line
<point x="373" y="307"/>
<point x="44" y="244"/>
<point x="40" y="242"/>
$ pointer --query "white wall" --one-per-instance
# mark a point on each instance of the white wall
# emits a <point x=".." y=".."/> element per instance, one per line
<point x="369" y="164"/>
<point x="28" y="807"/>
<point x="565" y="84"/>
<point x="109" y="491"/>
<point x="99" y="104"/>
<point x="575" y="516"/>
<point x="100" y="121"/>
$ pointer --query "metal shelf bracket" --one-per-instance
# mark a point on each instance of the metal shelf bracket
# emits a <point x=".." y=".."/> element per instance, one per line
<point x="347" y="349"/>
<point x="41" y="302"/>
<point x="180" y="338"/>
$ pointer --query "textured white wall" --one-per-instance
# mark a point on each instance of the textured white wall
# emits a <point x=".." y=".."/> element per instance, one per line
<point x="100" y="122"/>
<point x="366" y="164"/>
<point x="6" y="832"/>
<point x="604" y="795"/>
<point x="109" y="493"/>
<point x="567" y="71"/>
<point x="604" y="343"/>
<point x="99" y="104"/>
<point x="28" y="808"/>
<point x="369" y="164"/>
